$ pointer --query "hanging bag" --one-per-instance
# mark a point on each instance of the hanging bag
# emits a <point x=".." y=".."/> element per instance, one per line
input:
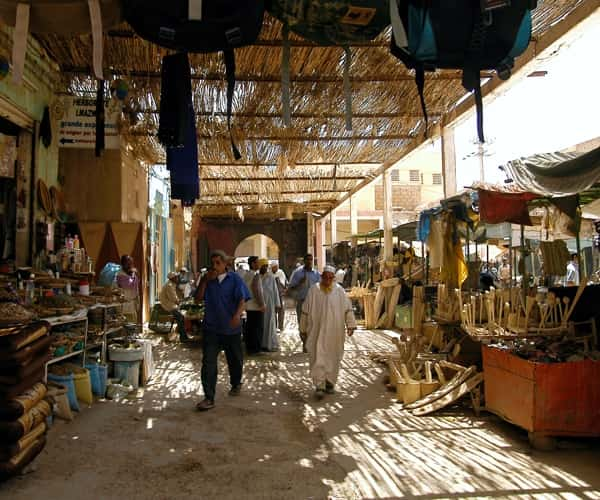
<point x="328" y="22"/>
<point x="465" y="35"/>
<point x="61" y="17"/>
<point x="199" y="26"/>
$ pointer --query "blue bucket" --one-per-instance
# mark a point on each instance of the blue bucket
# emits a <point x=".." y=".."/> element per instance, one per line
<point x="102" y="379"/>
<point x="94" y="378"/>
<point x="67" y="381"/>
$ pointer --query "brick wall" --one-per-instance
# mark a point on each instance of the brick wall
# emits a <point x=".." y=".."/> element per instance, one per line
<point x="403" y="196"/>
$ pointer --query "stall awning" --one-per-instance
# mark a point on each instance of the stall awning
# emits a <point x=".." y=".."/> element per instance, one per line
<point x="555" y="174"/>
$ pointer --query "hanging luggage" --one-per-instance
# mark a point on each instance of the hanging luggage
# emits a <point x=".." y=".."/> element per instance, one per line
<point x="328" y="22"/>
<point x="61" y="17"/>
<point x="460" y="34"/>
<point x="199" y="26"/>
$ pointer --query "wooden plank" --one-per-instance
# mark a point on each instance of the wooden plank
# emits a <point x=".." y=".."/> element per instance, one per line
<point x="391" y="311"/>
<point x="451" y="397"/>
<point x="455" y="382"/>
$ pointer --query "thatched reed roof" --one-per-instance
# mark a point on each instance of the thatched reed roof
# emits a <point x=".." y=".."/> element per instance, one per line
<point x="314" y="163"/>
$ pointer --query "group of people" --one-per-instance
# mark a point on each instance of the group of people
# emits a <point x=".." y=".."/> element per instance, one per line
<point x="324" y="315"/>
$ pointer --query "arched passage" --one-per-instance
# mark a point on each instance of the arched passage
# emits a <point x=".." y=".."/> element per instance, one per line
<point x="258" y="244"/>
<point x="210" y="234"/>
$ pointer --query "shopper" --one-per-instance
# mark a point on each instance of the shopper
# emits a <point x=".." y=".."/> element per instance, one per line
<point x="572" y="278"/>
<point x="281" y="280"/>
<point x="326" y="318"/>
<point x="224" y="294"/>
<point x="255" y="308"/>
<point x="128" y="280"/>
<point x="269" y="340"/>
<point x="169" y="301"/>
<point x="302" y="279"/>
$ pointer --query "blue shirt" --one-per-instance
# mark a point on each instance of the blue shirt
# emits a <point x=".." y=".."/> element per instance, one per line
<point x="221" y="300"/>
<point x="312" y="277"/>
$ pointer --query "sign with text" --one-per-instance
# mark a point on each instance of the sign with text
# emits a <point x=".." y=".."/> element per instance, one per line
<point x="77" y="128"/>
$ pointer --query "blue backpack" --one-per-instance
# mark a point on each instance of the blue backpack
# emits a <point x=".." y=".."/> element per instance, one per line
<point x="469" y="35"/>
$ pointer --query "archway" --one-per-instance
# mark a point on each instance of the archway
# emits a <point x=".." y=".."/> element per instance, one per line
<point x="257" y="244"/>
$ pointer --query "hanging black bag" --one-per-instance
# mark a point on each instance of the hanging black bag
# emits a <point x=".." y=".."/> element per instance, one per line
<point x="199" y="26"/>
<point x="467" y="35"/>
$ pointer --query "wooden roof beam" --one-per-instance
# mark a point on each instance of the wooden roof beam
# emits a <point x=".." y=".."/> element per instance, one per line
<point x="399" y="114"/>
<point x="258" y="193"/>
<point x="256" y="78"/>
<point x="284" y="179"/>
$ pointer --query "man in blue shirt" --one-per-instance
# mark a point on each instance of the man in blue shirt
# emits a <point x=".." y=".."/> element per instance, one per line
<point x="225" y="295"/>
<point x="302" y="279"/>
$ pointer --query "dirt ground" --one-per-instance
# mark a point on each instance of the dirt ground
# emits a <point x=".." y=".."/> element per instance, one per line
<point x="276" y="442"/>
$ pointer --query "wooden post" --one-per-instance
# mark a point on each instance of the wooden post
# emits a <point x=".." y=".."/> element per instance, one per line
<point x="310" y="230"/>
<point x="320" y="244"/>
<point x="353" y="217"/>
<point x="388" y="242"/>
<point x="448" y="161"/>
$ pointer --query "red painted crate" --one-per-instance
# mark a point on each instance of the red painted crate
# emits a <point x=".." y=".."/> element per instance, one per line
<point x="551" y="399"/>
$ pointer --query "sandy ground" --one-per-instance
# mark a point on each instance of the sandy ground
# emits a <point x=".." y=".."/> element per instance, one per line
<point x="275" y="441"/>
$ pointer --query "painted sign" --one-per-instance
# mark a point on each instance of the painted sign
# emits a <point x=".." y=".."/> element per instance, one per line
<point x="77" y="128"/>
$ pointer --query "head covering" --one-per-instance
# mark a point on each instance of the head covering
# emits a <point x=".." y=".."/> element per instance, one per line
<point x="183" y="270"/>
<point x="263" y="262"/>
<point x="329" y="269"/>
<point x="172" y="275"/>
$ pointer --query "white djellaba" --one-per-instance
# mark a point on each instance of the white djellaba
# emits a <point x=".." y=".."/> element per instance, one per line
<point x="325" y="316"/>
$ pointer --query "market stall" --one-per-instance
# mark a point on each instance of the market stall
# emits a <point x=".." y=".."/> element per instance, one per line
<point x="59" y="344"/>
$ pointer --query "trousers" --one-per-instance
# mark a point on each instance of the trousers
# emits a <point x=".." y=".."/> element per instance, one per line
<point x="254" y="331"/>
<point x="212" y="344"/>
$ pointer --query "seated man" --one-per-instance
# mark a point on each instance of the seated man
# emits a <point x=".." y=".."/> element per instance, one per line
<point x="169" y="301"/>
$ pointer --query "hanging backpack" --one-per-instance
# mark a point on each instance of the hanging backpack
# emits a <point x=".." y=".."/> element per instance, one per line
<point x="467" y="35"/>
<point x="328" y="22"/>
<point x="199" y="26"/>
<point x="61" y="17"/>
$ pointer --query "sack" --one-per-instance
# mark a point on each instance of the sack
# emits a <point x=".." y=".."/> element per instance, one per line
<point x="328" y="22"/>
<point x="199" y="26"/>
<point x="460" y="34"/>
<point x="108" y="275"/>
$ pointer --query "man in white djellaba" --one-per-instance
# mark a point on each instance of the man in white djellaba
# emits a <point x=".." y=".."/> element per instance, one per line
<point x="326" y="318"/>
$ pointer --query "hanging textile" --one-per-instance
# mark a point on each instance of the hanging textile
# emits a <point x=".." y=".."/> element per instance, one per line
<point x="555" y="256"/>
<point x="496" y="207"/>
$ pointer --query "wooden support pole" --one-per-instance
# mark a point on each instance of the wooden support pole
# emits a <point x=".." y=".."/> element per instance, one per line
<point x="388" y="242"/>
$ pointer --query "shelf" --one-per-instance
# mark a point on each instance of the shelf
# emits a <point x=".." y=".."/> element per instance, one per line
<point x="65" y="356"/>
<point x="63" y="320"/>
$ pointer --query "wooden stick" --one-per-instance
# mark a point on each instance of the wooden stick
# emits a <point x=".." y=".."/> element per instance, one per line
<point x="439" y="373"/>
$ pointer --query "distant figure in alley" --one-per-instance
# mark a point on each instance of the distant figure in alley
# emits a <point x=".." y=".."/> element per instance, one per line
<point x="326" y="318"/>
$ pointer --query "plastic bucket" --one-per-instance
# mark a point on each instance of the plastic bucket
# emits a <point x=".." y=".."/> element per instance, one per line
<point x="94" y="378"/>
<point x="83" y="386"/>
<point x="128" y="372"/>
<point x="102" y="379"/>
<point x="67" y="381"/>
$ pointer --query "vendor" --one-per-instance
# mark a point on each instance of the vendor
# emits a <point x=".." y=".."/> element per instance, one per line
<point x="129" y="281"/>
<point x="169" y="301"/>
<point x="183" y="287"/>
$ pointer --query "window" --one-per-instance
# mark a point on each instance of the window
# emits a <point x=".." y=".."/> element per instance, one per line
<point x="414" y="176"/>
<point x="395" y="175"/>
<point x="436" y="178"/>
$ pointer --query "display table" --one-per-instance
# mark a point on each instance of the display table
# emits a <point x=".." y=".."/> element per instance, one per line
<point x="546" y="399"/>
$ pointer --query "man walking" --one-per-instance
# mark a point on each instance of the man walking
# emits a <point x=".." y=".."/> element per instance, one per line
<point x="224" y="295"/>
<point x="281" y="280"/>
<point x="255" y="308"/>
<point x="302" y="279"/>
<point x="269" y="340"/>
<point x="326" y="317"/>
